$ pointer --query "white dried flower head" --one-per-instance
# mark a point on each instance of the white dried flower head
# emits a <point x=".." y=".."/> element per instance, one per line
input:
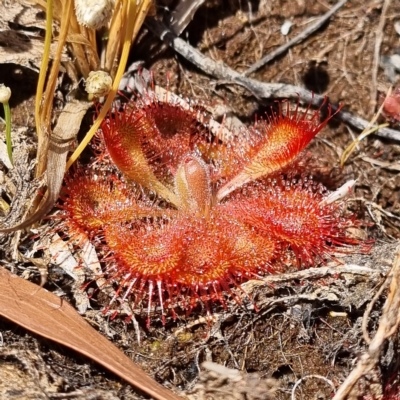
<point x="94" y="14"/>
<point x="98" y="83"/>
<point x="5" y="93"/>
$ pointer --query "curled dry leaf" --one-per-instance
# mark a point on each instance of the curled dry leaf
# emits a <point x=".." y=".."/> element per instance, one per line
<point x="47" y="315"/>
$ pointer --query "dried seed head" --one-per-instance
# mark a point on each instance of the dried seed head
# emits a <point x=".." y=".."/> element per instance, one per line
<point x="98" y="83"/>
<point x="94" y="14"/>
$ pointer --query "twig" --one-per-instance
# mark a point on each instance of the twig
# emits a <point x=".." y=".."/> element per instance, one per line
<point x="391" y="166"/>
<point x="259" y="89"/>
<point x="370" y="307"/>
<point x="377" y="49"/>
<point x="315" y="273"/>
<point x="376" y="207"/>
<point x="297" y="39"/>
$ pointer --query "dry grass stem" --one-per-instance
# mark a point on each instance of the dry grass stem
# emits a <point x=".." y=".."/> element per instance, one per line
<point x="370" y="128"/>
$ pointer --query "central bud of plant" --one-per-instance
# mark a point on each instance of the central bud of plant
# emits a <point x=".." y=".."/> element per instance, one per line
<point x="193" y="186"/>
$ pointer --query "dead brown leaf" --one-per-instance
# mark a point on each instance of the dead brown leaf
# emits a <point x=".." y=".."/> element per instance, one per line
<point x="45" y="314"/>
